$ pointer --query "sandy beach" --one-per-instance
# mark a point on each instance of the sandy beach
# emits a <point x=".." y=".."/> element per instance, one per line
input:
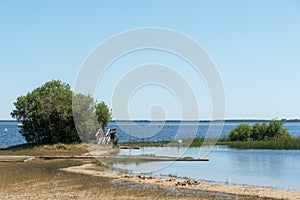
<point x="91" y="169"/>
<point x="44" y="179"/>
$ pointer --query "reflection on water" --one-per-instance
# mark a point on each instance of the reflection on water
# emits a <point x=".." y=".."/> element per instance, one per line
<point x="263" y="168"/>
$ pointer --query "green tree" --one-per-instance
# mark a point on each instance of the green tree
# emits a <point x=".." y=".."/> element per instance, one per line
<point x="84" y="113"/>
<point x="46" y="114"/>
<point x="241" y="133"/>
<point x="103" y="113"/>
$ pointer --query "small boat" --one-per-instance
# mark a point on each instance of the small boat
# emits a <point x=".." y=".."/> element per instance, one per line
<point x="20" y="125"/>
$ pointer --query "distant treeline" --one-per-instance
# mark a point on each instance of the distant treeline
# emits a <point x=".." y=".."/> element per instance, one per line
<point x="227" y="120"/>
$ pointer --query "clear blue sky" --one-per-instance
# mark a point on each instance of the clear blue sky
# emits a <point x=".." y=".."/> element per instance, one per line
<point x="254" y="44"/>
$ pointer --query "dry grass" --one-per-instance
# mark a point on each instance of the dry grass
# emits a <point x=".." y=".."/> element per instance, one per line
<point x="55" y="149"/>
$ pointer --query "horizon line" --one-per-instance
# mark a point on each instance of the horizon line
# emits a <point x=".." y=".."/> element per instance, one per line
<point x="199" y="120"/>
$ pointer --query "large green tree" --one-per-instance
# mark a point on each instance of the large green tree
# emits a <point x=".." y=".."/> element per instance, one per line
<point x="46" y="114"/>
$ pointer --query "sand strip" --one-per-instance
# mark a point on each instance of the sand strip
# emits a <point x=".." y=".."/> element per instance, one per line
<point x="90" y="169"/>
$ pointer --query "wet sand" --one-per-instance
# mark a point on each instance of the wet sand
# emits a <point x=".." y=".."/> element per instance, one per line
<point x="91" y="169"/>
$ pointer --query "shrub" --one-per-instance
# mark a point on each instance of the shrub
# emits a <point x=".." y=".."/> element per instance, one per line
<point x="276" y="130"/>
<point x="241" y="133"/>
<point x="273" y="130"/>
<point x="259" y="131"/>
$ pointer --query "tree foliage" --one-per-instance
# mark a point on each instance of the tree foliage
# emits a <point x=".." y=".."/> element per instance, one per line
<point x="259" y="131"/>
<point x="276" y="130"/>
<point x="273" y="130"/>
<point x="48" y="116"/>
<point x="103" y="114"/>
<point x="241" y="133"/>
<point x="85" y="117"/>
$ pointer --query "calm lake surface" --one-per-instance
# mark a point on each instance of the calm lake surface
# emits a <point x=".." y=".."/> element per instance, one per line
<point x="268" y="168"/>
<point x="170" y="130"/>
<point x="146" y="131"/>
<point x="12" y="137"/>
<point x="278" y="169"/>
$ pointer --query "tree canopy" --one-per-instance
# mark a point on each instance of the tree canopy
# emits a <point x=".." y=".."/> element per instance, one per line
<point x="103" y="114"/>
<point x="48" y="113"/>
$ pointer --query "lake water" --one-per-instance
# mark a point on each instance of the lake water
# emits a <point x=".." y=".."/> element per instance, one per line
<point x="278" y="169"/>
<point x="145" y="130"/>
<point x="12" y="137"/>
<point x="158" y="131"/>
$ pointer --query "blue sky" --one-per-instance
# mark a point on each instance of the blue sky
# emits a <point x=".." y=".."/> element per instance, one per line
<point x="254" y="44"/>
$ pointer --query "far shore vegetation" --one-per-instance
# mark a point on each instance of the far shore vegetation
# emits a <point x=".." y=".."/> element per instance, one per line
<point x="288" y="144"/>
<point x="265" y="135"/>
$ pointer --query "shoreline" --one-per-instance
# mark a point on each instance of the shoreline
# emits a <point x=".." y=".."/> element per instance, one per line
<point x="64" y="153"/>
<point x="247" y="191"/>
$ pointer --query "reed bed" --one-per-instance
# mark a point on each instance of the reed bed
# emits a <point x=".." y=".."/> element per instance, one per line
<point x="292" y="143"/>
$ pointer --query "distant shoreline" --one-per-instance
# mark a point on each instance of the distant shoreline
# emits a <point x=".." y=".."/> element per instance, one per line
<point x="226" y="120"/>
<point x="171" y="120"/>
<point x="8" y="120"/>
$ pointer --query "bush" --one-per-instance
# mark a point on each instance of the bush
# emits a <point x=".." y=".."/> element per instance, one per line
<point x="241" y="133"/>
<point x="276" y="130"/>
<point x="259" y="131"/>
<point x="273" y="130"/>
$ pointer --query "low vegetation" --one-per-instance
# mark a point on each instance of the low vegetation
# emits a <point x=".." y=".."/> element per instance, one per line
<point x="197" y="142"/>
<point x="289" y="143"/>
<point x="258" y="132"/>
<point x="45" y="150"/>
